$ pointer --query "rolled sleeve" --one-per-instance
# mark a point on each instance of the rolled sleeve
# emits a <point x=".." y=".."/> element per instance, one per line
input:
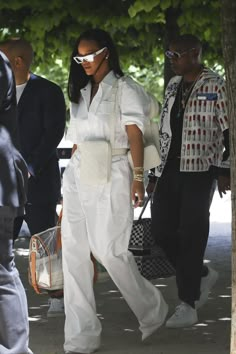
<point x="221" y="107"/>
<point x="134" y="104"/>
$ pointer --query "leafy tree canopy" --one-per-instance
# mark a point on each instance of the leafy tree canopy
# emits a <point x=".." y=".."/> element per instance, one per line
<point x="137" y="26"/>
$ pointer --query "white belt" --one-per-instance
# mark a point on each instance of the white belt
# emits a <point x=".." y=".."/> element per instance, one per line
<point x="115" y="152"/>
<point x="121" y="151"/>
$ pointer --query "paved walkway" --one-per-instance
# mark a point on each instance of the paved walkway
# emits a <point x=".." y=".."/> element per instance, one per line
<point x="120" y="328"/>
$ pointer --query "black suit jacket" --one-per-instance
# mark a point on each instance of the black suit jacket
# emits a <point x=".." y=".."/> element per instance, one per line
<point x="13" y="170"/>
<point x="41" y="120"/>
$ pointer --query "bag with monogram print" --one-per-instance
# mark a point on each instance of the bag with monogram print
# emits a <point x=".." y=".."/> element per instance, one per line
<point x="150" y="258"/>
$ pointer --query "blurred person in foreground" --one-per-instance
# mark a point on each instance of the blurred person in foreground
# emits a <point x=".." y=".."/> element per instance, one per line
<point x="14" y="326"/>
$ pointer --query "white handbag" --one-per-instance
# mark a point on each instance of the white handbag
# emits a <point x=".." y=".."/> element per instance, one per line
<point x="151" y="158"/>
<point x="95" y="162"/>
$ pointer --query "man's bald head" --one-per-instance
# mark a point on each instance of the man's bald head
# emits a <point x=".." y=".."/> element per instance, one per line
<point x="18" y="47"/>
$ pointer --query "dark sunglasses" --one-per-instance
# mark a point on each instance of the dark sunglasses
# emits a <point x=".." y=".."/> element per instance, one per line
<point x="176" y="55"/>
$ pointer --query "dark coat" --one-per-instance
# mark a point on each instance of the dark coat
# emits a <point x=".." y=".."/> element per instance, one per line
<point x="13" y="170"/>
<point x="41" y="120"/>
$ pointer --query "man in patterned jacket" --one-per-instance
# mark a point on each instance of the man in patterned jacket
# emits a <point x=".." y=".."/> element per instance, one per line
<point x="194" y="143"/>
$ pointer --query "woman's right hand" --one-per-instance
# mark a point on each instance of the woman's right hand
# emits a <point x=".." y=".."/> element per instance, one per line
<point x="137" y="193"/>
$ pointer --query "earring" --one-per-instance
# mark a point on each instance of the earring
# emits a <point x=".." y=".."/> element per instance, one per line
<point x="106" y="57"/>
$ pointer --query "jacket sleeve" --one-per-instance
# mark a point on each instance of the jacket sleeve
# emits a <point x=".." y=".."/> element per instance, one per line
<point x="222" y="118"/>
<point x="3" y="81"/>
<point x="8" y="99"/>
<point x="225" y="169"/>
<point x="53" y="115"/>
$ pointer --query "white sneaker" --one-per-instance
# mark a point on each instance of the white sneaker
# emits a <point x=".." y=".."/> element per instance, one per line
<point x="207" y="284"/>
<point x="56" y="308"/>
<point x="184" y="316"/>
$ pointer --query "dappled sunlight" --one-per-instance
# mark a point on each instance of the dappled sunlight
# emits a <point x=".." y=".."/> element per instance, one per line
<point x="210" y="321"/>
<point x="224" y="296"/>
<point x="129" y="330"/>
<point x="207" y="261"/>
<point x="206" y="323"/>
<point x="37" y="318"/>
<point x="113" y="294"/>
<point x="191" y="329"/>
<point x="22" y="252"/>
<point x="33" y="319"/>
<point x="113" y="291"/>
<point x="161" y="285"/>
<point x="100" y="316"/>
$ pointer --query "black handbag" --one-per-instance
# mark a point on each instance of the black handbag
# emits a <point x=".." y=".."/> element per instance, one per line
<point x="150" y="257"/>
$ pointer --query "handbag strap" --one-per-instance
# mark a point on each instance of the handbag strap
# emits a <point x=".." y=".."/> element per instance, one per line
<point x="115" y="88"/>
<point x="145" y="205"/>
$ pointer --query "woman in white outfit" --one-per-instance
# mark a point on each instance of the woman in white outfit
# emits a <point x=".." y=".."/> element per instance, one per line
<point x="97" y="209"/>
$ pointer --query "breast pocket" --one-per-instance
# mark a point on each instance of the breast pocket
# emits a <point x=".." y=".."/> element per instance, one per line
<point x="106" y="107"/>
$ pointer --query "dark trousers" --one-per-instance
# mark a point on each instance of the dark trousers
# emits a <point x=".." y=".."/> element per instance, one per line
<point x="37" y="217"/>
<point x="180" y="224"/>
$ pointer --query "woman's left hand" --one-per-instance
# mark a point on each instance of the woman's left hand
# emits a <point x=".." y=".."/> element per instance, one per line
<point x="137" y="193"/>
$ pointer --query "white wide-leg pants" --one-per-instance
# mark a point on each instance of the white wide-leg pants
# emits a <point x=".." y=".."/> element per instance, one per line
<point x="98" y="219"/>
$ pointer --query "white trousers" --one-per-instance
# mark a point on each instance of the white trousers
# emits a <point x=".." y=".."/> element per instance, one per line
<point x="98" y="219"/>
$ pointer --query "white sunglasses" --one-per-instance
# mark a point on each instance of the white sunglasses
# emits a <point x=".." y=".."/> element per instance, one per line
<point x="176" y="55"/>
<point x="88" y="58"/>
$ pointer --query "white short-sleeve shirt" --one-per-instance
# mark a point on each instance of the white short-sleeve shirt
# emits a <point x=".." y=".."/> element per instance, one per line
<point x="123" y="100"/>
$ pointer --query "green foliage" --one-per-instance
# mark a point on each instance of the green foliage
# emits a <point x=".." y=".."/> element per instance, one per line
<point x="150" y="77"/>
<point x="202" y="19"/>
<point x="142" y="5"/>
<point x="137" y="26"/>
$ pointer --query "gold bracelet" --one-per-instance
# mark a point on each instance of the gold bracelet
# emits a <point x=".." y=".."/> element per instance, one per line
<point x="138" y="179"/>
<point x="139" y="175"/>
<point x="138" y="169"/>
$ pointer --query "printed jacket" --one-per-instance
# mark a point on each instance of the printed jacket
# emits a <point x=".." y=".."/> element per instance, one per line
<point x="205" y="119"/>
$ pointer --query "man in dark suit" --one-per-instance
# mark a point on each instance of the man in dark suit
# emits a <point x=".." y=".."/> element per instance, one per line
<point x="14" y="327"/>
<point x="41" y="120"/>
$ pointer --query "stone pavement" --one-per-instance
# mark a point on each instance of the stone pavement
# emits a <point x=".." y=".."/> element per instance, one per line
<point x="120" y="328"/>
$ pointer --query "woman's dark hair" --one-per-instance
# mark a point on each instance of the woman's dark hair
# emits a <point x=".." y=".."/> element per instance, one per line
<point x="77" y="76"/>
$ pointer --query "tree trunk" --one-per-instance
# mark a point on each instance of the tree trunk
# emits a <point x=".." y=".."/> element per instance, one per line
<point x="171" y="30"/>
<point x="229" y="51"/>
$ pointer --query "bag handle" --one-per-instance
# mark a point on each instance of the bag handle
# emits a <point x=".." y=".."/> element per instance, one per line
<point x="115" y="88"/>
<point x="58" y="234"/>
<point x="32" y="268"/>
<point x="145" y="205"/>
